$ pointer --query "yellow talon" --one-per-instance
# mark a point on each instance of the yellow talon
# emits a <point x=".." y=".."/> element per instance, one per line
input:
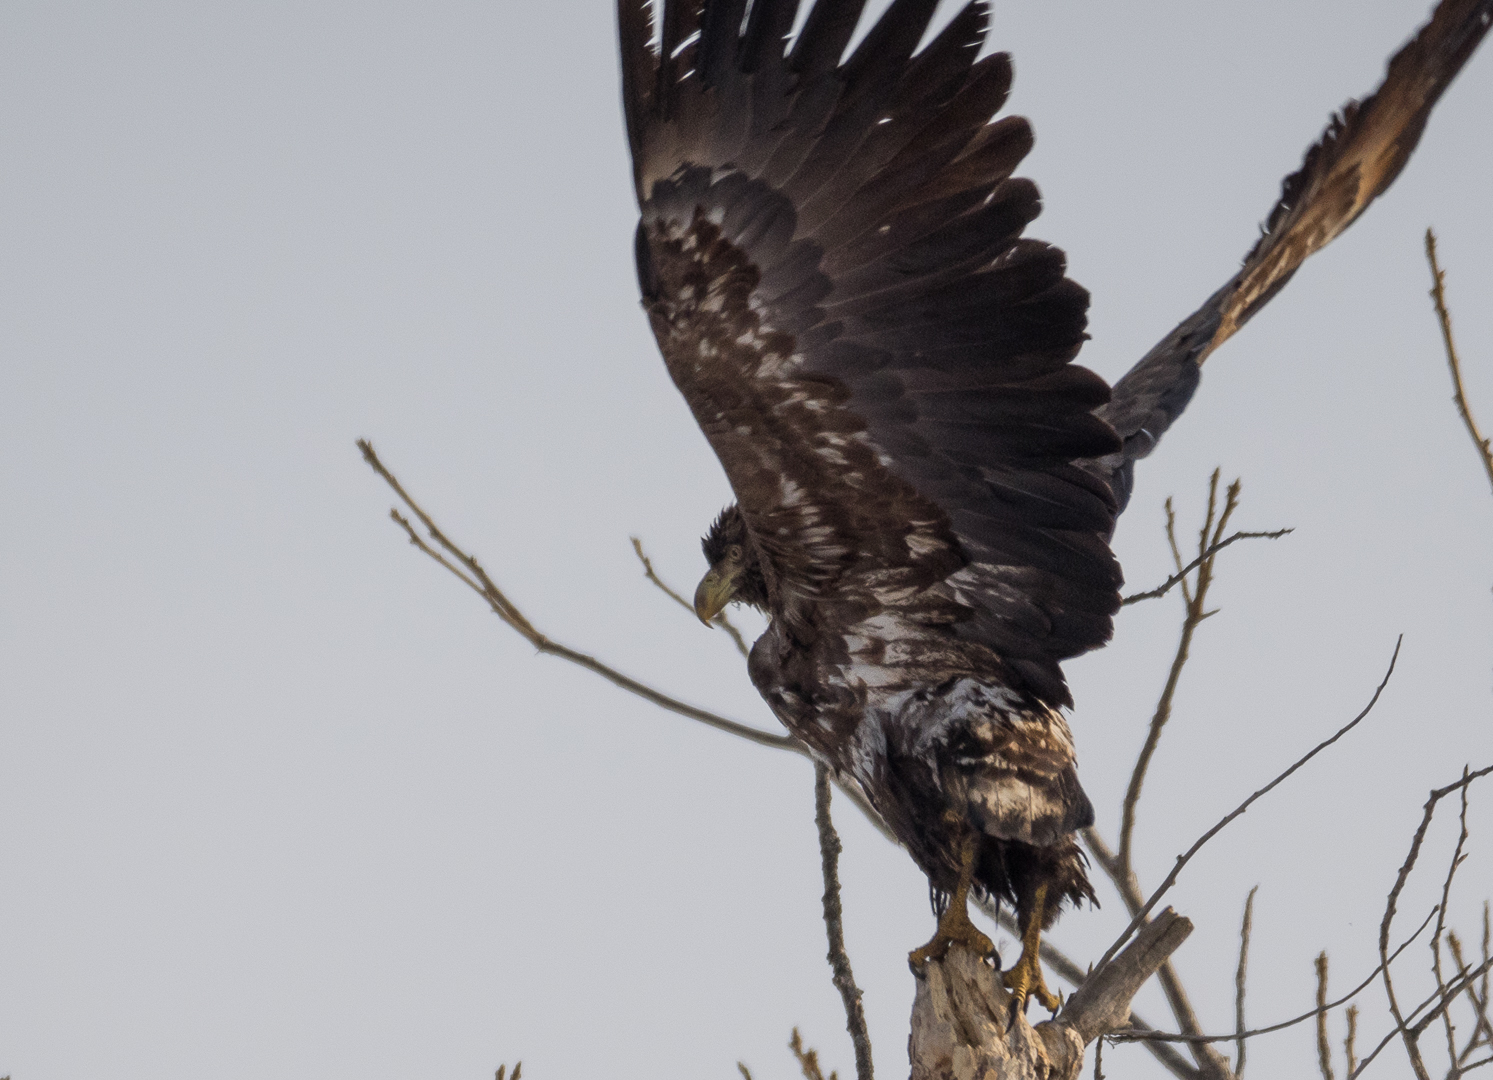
<point x="954" y="927"/>
<point x="1024" y="979"/>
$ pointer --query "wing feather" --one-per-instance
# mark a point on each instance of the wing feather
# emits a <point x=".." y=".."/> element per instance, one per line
<point x="1354" y="161"/>
<point x="831" y="258"/>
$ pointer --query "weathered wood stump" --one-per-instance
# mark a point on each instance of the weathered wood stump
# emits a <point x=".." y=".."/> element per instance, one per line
<point x="961" y="1027"/>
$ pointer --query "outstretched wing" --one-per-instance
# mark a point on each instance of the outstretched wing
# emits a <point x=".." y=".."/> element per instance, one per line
<point x="831" y="257"/>
<point x="1353" y="163"/>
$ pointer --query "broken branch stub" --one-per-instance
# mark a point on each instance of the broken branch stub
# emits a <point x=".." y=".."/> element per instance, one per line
<point x="962" y="1027"/>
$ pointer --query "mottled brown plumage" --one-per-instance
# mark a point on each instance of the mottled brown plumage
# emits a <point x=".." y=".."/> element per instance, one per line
<point x="832" y="260"/>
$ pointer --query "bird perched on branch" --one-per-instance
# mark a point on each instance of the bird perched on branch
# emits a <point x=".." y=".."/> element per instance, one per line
<point x="831" y="255"/>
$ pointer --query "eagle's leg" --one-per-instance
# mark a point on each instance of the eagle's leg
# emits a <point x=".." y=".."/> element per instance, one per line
<point x="954" y="925"/>
<point x="1024" y="979"/>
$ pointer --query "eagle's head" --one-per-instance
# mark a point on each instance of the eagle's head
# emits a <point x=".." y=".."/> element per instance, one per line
<point x="735" y="575"/>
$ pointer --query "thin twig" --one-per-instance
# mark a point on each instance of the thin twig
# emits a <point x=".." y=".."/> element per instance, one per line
<point x="1196" y="598"/>
<point x="1409" y="1035"/>
<point x="1172" y="582"/>
<point x="1324" y="1048"/>
<point x="1480" y="1000"/>
<point x="1459" y="395"/>
<point x="1487" y="951"/>
<point x="808" y="1059"/>
<point x="1446" y="892"/>
<point x="1441" y="1001"/>
<point x="514" y="618"/>
<point x="475" y="577"/>
<point x="1186" y="857"/>
<point x="839" y="959"/>
<point x="1209" y="1061"/>
<point x="1239" y="980"/>
<point x="720" y="620"/>
<point x="1481" y="1028"/>
<point x="1164" y="1036"/>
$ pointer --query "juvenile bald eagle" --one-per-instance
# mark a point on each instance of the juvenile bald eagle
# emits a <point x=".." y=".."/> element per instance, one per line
<point x="832" y="260"/>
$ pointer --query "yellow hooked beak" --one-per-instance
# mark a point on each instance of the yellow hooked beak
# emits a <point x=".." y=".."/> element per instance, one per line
<point x="713" y="594"/>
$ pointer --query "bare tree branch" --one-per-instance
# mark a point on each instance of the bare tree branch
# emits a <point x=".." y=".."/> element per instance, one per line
<point x="1446" y="891"/>
<point x="1209" y="1061"/>
<point x="475" y="577"/>
<point x="1439" y="1002"/>
<point x="1349" y="1049"/>
<point x="1408" y="1034"/>
<point x="1479" y="1011"/>
<point x="1239" y="980"/>
<point x="808" y="1060"/>
<point x="1324" y="1048"/>
<point x="1482" y="1030"/>
<point x="1196" y="598"/>
<point x="1153" y="1036"/>
<point x="839" y="959"/>
<point x="1459" y="395"/>
<point x="1437" y="999"/>
<point x="1102" y="1003"/>
<point x="720" y="620"/>
<point x="1171" y="582"/>
<point x="1186" y="857"/>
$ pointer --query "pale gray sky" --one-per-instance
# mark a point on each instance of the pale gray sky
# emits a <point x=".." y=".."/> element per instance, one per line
<point x="278" y="798"/>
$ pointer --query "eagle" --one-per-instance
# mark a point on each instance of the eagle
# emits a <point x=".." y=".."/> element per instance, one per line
<point x="831" y="255"/>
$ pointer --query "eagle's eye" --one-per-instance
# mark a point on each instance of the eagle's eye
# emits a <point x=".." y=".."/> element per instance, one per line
<point x="733" y="553"/>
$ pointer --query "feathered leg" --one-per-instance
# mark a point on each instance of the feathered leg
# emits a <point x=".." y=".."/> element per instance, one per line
<point x="954" y="925"/>
<point x="1024" y="980"/>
